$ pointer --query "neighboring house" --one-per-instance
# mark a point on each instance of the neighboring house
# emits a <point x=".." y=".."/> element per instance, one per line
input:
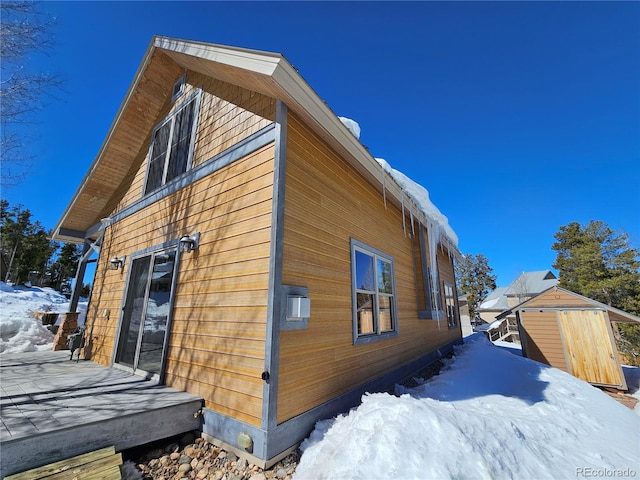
<point x="527" y="285"/>
<point x="573" y="333"/>
<point x="465" y="318"/>
<point x="253" y="252"/>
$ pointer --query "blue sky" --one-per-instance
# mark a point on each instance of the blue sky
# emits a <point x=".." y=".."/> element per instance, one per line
<point x="517" y="117"/>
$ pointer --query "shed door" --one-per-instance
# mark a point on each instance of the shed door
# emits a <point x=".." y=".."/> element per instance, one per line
<point x="146" y="313"/>
<point x="588" y="342"/>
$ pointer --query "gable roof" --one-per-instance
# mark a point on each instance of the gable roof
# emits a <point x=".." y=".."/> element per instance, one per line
<point x="496" y="300"/>
<point x="615" y="313"/>
<point x="529" y="283"/>
<point x="526" y="285"/>
<point x="263" y="72"/>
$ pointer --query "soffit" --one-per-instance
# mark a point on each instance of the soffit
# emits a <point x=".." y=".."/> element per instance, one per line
<point x="263" y="72"/>
<point x="100" y="188"/>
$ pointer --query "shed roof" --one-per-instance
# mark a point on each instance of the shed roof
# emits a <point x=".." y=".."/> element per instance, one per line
<point x="615" y="314"/>
<point x="263" y="72"/>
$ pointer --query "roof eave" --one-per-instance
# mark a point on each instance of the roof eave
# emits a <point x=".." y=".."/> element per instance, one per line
<point x="57" y="235"/>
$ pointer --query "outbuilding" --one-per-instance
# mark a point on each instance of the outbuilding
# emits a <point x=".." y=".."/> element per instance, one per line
<point x="573" y="333"/>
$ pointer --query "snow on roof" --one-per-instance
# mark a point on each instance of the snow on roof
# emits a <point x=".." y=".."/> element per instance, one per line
<point x="495" y="300"/>
<point x="352" y="125"/>
<point x="416" y="192"/>
<point x="488" y="326"/>
<point x="420" y="196"/>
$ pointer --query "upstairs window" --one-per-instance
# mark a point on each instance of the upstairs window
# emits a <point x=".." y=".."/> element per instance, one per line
<point x="172" y="145"/>
<point x="450" y="303"/>
<point x="373" y="290"/>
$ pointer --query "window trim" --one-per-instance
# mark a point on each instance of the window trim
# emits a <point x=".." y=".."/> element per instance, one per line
<point x="431" y="311"/>
<point x="378" y="334"/>
<point x="194" y="97"/>
<point x="178" y="88"/>
<point x="452" y="320"/>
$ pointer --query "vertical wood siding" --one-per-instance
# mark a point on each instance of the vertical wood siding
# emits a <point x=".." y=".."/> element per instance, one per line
<point x="326" y="203"/>
<point x="218" y="331"/>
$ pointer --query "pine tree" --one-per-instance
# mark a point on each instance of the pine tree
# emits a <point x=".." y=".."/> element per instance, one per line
<point x="24" y="244"/>
<point x="474" y="277"/>
<point x="65" y="266"/>
<point x="599" y="263"/>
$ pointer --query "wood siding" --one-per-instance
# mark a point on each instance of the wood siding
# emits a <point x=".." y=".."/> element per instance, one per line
<point x="553" y="298"/>
<point x="228" y="114"/>
<point x="218" y="331"/>
<point x="326" y="203"/>
<point x="542" y="338"/>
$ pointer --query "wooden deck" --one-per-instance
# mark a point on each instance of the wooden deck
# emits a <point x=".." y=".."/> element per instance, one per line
<point x="53" y="408"/>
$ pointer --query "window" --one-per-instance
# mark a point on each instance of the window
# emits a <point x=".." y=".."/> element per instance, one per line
<point x="178" y="88"/>
<point x="373" y="290"/>
<point x="450" y="303"/>
<point x="172" y="145"/>
<point x="429" y="296"/>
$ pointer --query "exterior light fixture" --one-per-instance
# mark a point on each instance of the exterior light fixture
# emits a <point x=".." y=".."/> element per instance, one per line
<point x="116" y="263"/>
<point x="188" y="243"/>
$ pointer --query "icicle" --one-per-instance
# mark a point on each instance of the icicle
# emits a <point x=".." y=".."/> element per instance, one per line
<point x="404" y="227"/>
<point x="384" y="186"/>
<point x="413" y="232"/>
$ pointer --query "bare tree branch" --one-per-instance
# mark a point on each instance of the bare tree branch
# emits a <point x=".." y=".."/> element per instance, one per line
<point x="23" y="30"/>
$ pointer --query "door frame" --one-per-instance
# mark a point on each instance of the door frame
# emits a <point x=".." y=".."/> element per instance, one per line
<point x="166" y="246"/>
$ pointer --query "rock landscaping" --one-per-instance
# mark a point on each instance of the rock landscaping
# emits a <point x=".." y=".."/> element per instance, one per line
<point x="191" y="458"/>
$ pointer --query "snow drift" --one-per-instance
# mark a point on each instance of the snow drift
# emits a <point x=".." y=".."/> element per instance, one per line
<point x="490" y="414"/>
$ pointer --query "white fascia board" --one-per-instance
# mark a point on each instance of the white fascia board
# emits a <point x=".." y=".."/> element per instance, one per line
<point x="253" y="60"/>
<point x="292" y="82"/>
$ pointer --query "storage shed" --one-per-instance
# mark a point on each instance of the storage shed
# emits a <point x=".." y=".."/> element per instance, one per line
<point x="253" y="252"/>
<point x="573" y="333"/>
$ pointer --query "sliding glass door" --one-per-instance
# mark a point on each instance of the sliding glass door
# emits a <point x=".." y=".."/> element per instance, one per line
<point x="145" y="318"/>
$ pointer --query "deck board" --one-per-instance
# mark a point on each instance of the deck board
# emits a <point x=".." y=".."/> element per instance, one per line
<point x="52" y="408"/>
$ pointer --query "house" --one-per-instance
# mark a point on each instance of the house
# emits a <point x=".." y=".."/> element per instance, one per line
<point x="252" y="251"/>
<point x="465" y="318"/>
<point x="573" y="333"/>
<point x="527" y="285"/>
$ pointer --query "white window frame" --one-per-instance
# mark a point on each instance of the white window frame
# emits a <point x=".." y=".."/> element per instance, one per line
<point x="195" y="97"/>
<point x="378" y="333"/>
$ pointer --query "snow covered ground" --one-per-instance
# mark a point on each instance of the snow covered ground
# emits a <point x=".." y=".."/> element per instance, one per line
<point x="490" y="414"/>
<point x="19" y="332"/>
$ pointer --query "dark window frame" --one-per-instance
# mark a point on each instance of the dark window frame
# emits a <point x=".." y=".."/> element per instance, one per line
<point x="376" y="294"/>
<point x="161" y="159"/>
<point x="450" y="304"/>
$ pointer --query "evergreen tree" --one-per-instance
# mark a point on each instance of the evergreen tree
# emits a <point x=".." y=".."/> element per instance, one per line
<point x="599" y="263"/>
<point x="474" y="277"/>
<point x="24" y="244"/>
<point x="65" y="265"/>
